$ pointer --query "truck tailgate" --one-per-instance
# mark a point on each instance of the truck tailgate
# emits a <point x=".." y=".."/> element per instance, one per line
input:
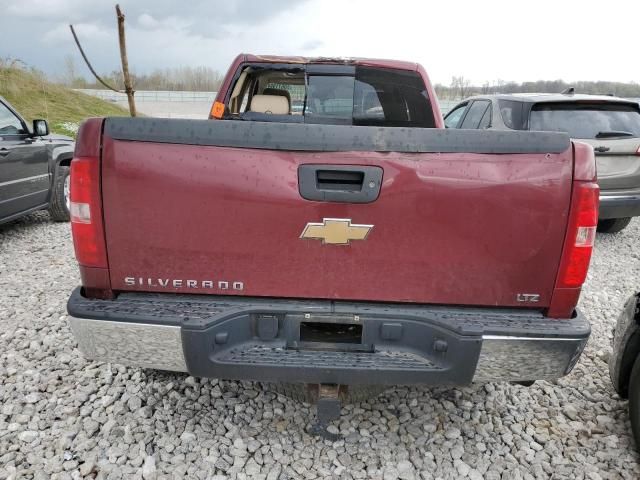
<point x="184" y="214"/>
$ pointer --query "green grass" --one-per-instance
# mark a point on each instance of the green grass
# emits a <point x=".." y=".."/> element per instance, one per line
<point x="34" y="97"/>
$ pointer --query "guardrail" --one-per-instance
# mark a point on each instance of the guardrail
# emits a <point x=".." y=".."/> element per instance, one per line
<point x="156" y="99"/>
<point x="143" y="96"/>
<point x="152" y="95"/>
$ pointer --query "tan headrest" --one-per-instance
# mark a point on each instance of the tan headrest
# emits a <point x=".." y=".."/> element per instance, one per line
<point x="274" y="104"/>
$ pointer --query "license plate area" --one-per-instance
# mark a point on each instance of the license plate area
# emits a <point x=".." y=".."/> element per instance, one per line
<point x="327" y="332"/>
<point x="330" y="332"/>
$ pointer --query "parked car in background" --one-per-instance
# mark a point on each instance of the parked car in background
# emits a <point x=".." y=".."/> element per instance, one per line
<point x="327" y="247"/>
<point x="624" y="364"/>
<point x="34" y="167"/>
<point x="611" y="125"/>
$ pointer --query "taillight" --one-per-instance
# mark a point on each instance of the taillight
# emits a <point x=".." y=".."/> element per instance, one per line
<point x="581" y="233"/>
<point x="86" y="213"/>
<point x="638" y="152"/>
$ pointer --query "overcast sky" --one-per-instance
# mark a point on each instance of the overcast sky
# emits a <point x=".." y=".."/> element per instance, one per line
<point x="483" y="40"/>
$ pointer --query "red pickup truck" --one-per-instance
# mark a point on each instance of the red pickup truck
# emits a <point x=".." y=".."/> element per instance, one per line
<point x="323" y="228"/>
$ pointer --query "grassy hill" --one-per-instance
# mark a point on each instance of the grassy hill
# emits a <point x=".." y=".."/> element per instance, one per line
<point x="34" y="97"/>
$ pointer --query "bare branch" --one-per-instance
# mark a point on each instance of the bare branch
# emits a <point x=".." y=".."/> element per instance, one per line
<point x="86" y="60"/>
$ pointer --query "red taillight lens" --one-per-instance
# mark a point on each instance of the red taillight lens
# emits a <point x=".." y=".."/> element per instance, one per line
<point x="86" y="213"/>
<point x="581" y="233"/>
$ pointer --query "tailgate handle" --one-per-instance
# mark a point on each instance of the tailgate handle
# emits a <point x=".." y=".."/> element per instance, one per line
<point x="345" y="180"/>
<point x="340" y="183"/>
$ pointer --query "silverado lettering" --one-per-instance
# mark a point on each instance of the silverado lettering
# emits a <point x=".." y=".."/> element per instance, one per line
<point x="465" y="222"/>
<point x="177" y="283"/>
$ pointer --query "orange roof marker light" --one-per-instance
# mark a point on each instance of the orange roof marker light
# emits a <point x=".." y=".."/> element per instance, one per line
<point x="217" y="110"/>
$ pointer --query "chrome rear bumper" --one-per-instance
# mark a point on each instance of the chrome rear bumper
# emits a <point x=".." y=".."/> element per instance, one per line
<point x="523" y="359"/>
<point x="502" y="358"/>
<point x="136" y="344"/>
<point x="228" y="338"/>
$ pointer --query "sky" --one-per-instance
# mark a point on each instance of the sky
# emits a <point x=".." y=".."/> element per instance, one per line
<point x="485" y="40"/>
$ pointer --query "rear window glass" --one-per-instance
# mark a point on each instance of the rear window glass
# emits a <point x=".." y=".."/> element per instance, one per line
<point x="330" y="96"/>
<point x="586" y="120"/>
<point x="391" y="98"/>
<point x="371" y="96"/>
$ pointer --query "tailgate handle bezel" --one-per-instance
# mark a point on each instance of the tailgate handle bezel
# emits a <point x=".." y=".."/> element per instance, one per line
<point x="340" y="183"/>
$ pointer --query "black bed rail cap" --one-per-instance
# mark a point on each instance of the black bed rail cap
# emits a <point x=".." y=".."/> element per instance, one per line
<point x="331" y="138"/>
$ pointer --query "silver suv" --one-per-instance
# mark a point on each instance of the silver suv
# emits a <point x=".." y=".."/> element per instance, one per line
<point x="611" y="125"/>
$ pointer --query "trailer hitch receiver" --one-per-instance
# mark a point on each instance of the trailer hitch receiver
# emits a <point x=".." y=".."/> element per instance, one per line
<point x="327" y="409"/>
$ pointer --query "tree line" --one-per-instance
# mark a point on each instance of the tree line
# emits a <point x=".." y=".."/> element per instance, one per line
<point x="461" y="87"/>
<point x="206" y="79"/>
<point x="200" y="79"/>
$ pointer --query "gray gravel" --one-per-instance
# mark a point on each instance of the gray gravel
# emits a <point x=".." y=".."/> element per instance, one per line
<point x="64" y="417"/>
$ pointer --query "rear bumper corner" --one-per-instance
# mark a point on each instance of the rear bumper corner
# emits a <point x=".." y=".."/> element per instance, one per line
<point x="619" y="205"/>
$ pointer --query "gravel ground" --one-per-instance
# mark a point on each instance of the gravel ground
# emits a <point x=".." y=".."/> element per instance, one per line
<point x="64" y="417"/>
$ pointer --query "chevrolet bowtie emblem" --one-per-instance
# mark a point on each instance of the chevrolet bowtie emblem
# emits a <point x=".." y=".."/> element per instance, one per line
<point x="336" y="231"/>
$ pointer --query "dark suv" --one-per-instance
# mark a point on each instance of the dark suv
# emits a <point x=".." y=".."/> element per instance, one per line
<point x="611" y="125"/>
<point x="34" y="167"/>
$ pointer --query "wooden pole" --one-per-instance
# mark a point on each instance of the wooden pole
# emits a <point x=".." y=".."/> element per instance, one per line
<point x="128" y="87"/>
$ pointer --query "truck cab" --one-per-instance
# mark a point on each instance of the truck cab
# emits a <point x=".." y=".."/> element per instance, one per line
<point x="335" y="91"/>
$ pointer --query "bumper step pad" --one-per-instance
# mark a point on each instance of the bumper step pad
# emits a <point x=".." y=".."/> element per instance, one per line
<point x="387" y="360"/>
